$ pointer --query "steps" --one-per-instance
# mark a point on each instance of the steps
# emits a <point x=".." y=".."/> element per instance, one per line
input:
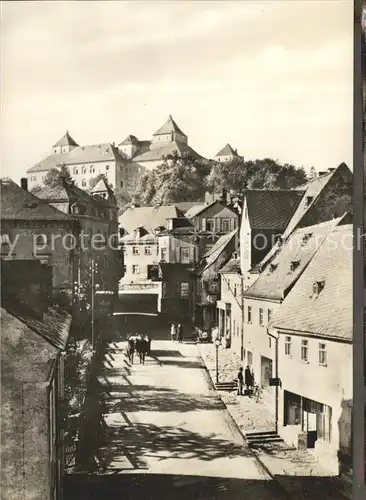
<point x="263" y="439"/>
<point x="226" y="386"/>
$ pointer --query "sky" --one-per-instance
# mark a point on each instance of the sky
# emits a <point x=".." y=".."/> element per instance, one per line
<point x="272" y="78"/>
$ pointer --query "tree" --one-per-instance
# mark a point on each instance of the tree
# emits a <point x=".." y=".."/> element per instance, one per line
<point x="177" y="179"/>
<point x="55" y="177"/>
<point x="265" y="173"/>
<point x="94" y="180"/>
<point x="312" y="173"/>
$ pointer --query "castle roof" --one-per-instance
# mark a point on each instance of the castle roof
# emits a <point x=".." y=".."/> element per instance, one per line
<point x="170" y="148"/>
<point x="130" y="139"/>
<point x="168" y="127"/>
<point x="66" y="140"/>
<point x="227" y="151"/>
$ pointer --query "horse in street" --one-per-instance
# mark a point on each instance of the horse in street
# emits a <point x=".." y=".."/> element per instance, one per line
<point x="139" y="344"/>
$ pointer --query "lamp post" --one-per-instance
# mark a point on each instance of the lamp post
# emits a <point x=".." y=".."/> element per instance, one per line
<point x="217" y="345"/>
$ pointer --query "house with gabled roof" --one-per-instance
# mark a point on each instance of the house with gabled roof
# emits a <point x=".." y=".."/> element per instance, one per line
<point x="265" y="296"/>
<point x="33" y="342"/>
<point x="327" y="196"/>
<point x="313" y="336"/>
<point x="208" y="281"/>
<point x="227" y="154"/>
<point x="265" y="216"/>
<point x="31" y="229"/>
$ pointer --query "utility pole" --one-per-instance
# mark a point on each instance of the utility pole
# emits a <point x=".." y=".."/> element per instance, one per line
<point x="242" y="317"/>
<point x="92" y="302"/>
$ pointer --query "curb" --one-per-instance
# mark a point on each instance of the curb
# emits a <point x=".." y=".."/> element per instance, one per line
<point x="262" y="466"/>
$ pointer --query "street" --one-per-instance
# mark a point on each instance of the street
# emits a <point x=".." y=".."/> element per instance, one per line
<point x="168" y="435"/>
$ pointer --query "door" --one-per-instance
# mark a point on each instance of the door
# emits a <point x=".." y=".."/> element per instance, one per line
<point x="266" y="371"/>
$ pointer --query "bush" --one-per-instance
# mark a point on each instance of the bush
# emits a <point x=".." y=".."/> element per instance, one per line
<point x="77" y="363"/>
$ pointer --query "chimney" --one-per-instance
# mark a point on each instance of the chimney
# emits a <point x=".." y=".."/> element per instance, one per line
<point x="24" y="183"/>
<point x="331" y="169"/>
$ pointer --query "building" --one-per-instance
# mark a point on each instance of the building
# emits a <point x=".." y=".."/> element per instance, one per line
<point x="150" y="236"/>
<point x="208" y="281"/>
<point x="313" y="333"/>
<point x="327" y="196"/>
<point x="212" y="221"/>
<point x="168" y="140"/>
<point x="98" y="258"/>
<point x="31" y="229"/>
<point x="264" y="298"/>
<point x="33" y="341"/>
<point x="227" y="154"/>
<point x="265" y="216"/>
<point x="230" y="306"/>
<point x="85" y="163"/>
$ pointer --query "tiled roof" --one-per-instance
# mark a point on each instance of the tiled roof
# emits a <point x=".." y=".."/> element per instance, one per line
<point x="82" y="154"/>
<point x="130" y="139"/>
<point x="25" y="355"/>
<point x="53" y="326"/>
<point x="277" y="279"/>
<point x="271" y="209"/>
<point x="168" y="127"/>
<point x="18" y="204"/>
<point x="186" y="206"/>
<point x="68" y="193"/>
<point x="212" y="255"/>
<point x="227" y="151"/>
<point x="330" y="314"/>
<point x="101" y="187"/>
<point x="66" y="140"/>
<point x="148" y="217"/>
<point x="311" y="189"/>
<point x="159" y="153"/>
<point x="233" y="266"/>
<point x="195" y="210"/>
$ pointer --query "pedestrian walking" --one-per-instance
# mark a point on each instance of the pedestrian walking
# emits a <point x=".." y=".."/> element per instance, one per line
<point x="173" y="332"/>
<point x="180" y="333"/>
<point x="248" y="377"/>
<point x="240" y="382"/>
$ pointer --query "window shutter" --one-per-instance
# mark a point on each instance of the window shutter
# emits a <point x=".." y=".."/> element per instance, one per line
<point x="203" y="224"/>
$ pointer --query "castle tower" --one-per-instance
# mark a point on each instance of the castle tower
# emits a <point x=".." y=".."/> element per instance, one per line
<point x="65" y="144"/>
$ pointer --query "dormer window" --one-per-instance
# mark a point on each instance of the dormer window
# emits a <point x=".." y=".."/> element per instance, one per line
<point x="272" y="267"/>
<point x="318" y="287"/>
<point x="294" y="265"/>
<point x="308" y="200"/>
<point x="306" y="238"/>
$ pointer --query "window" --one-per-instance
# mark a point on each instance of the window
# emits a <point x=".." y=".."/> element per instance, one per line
<point x="92" y="170"/>
<point x="107" y="167"/>
<point x="294" y="265"/>
<point x="163" y="253"/>
<point x="250" y="358"/>
<point x="318" y="287"/>
<point x="83" y="182"/>
<point x="41" y="240"/>
<point x="288" y="346"/>
<point x="124" y="269"/>
<point x="249" y="318"/>
<point x="235" y="290"/>
<point x="305" y="350"/>
<point x="269" y="315"/>
<point x="185" y="255"/>
<point x="148" y="250"/>
<point x="210" y="225"/>
<point x="308" y="200"/>
<point x="121" y="184"/>
<point x="261" y="321"/>
<point x="135" y="250"/>
<point x="225" y="225"/>
<point x="83" y="170"/>
<point x="76" y="171"/>
<point x="135" y="269"/>
<point x="184" y="290"/>
<point x="269" y="341"/>
<point x="322" y="354"/>
<point x="214" y="287"/>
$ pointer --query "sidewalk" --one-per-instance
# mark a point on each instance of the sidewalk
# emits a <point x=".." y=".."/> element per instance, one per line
<point x="292" y="468"/>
